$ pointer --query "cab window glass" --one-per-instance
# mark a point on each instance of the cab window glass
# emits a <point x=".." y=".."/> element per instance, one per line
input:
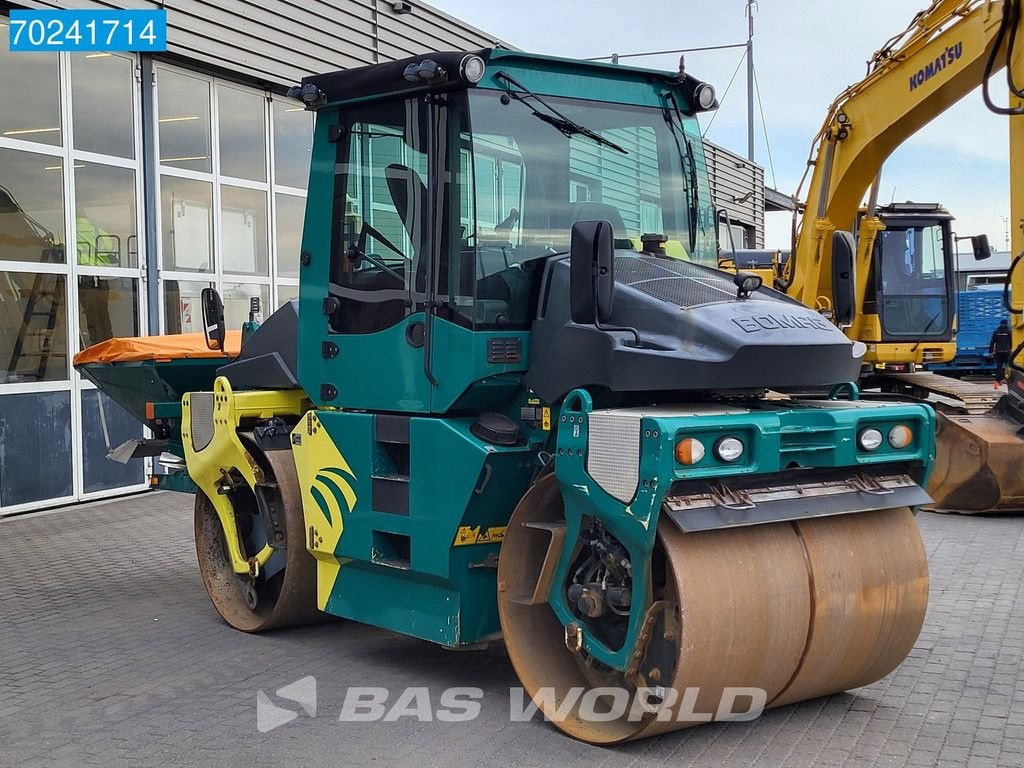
<point x="914" y="294"/>
<point x="380" y="243"/>
<point x="532" y="178"/>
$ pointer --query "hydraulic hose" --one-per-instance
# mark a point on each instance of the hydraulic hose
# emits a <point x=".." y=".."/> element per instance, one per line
<point x="1008" y="281"/>
<point x="1008" y="305"/>
<point x="1007" y="28"/>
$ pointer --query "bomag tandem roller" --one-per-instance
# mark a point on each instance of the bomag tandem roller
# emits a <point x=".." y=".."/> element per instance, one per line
<point x="516" y="399"/>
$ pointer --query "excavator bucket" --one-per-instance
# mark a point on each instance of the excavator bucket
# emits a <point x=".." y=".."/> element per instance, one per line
<point x="978" y="465"/>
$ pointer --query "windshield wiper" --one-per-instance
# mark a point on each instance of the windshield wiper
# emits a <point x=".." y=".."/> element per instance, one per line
<point x="687" y="159"/>
<point x="924" y="333"/>
<point x="553" y="117"/>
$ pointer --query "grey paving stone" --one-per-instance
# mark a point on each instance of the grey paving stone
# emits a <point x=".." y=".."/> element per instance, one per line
<point x="110" y="655"/>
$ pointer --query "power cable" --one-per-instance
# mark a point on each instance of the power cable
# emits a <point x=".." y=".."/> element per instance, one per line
<point x="764" y="127"/>
<point x="721" y="101"/>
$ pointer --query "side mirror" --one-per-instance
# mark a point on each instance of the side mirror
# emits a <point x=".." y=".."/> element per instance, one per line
<point x="982" y="250"/>
<point x="213" y="318"/>
<point x="591" y="272"/>
<point x="844" y="286"/>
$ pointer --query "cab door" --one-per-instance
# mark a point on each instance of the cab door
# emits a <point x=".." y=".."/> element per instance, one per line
<point x="368" y="245"/>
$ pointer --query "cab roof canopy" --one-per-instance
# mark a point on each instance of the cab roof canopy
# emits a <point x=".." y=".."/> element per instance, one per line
<point x="390" y="79"/>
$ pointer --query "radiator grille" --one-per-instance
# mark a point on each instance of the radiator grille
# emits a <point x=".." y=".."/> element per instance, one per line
<point x="682" y="283"/>
<point x="201" y="419"/>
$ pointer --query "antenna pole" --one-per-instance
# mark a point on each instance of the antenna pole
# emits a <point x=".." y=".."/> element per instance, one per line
<point x="750" y="80"/>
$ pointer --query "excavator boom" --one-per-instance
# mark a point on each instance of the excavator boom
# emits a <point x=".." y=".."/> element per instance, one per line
<point x="947" y="51"/>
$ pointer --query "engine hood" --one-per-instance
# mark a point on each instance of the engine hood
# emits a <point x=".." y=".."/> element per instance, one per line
<point x="696" y="335"/>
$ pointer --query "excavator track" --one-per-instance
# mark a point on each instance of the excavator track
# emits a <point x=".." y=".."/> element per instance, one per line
<point x="974" y="398"/>
<point x="798" y="610"/>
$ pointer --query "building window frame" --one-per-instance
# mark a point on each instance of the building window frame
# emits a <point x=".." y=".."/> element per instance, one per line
<point x="74" y="384"/>
<point x="218" y="277"/>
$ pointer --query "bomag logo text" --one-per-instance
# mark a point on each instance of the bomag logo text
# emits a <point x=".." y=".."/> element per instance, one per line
<point x="948" y="56"/>
<point x="778" y="322"/>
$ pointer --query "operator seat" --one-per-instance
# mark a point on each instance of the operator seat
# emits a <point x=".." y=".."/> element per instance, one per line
<point x="410" y="196"/>
<point x="602" y="212"/>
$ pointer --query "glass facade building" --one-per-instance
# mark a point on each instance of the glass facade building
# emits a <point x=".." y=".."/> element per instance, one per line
<point x="128" y="183"/>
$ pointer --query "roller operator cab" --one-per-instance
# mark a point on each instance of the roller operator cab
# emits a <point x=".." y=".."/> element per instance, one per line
<point x="516" y="398"/>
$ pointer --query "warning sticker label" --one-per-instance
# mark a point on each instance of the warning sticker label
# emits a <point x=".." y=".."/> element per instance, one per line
<point x="469" y="534"/>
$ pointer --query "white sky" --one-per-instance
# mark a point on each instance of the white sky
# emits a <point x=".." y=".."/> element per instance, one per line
<point x="805" y="53"/>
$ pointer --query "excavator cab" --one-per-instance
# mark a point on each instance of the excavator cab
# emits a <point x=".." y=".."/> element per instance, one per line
<point x="909" y="307"/>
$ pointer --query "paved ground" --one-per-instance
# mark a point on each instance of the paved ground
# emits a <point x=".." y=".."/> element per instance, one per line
<point x="110" y="655"/>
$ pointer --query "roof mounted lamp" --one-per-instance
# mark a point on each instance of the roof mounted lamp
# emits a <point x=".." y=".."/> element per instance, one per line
<point x="309" y="94"/>
<point x="425" y="71"/>
<point x="700" y="96"/>
<point x="704" y="96"/>
<point x="472" y="68"/>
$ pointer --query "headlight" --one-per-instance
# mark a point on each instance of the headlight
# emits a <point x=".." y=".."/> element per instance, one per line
<point x="900" y="436"/>
<point x="472" y="68"/>
<point x="869" y="439"/>
<point x="729" y="449"/>
<point x="705" y="96"/>
<point x="689" y="451"/>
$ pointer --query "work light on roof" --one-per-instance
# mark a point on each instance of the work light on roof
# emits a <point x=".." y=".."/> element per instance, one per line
<point x="746" y="283"/>
<point x="423" y="71"/>
<point x="705" y="96"/>
<point x="472" y="68"/>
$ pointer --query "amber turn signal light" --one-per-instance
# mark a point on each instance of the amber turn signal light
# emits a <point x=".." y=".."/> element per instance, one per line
<point x="689" y="451"/>
<point x="900" y="436"/>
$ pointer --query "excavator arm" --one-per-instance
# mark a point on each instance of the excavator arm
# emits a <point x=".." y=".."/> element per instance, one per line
<point x="948" y="50"/>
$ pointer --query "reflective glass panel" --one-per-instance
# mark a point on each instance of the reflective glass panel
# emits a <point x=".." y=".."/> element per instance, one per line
<point x="105" y="216"/>
<point x="31" y="207"/>
<point x="186" y="223"/>
<point x="243" y="133"/>
<point x="184" y="106"/>
<point x="103" y="119"/>
<point x="105" y="425"/>
<point x="108" y="308"/>
<point x="286" y="293"/>
<point x="33" y="327"/>
<point x="244" y="230"/>
<point x="182" y="310"/>
<point x="293" y="142"/>
<point x="32" y="82"/>
<point x="39" y="424"/>
<point x="290" y="212"/>
<point x="236" y="303"/>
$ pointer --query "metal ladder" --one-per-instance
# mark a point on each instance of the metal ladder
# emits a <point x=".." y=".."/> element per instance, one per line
<point x="45" y="334"/>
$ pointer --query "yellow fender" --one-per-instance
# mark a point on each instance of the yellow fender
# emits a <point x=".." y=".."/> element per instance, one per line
<point x="209" y="432"/>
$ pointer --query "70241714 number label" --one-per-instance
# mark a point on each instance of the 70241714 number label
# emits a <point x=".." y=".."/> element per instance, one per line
<point x="88" y="30"/>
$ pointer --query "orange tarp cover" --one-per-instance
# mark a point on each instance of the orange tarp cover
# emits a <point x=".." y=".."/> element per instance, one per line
<point x="171" y="347"/>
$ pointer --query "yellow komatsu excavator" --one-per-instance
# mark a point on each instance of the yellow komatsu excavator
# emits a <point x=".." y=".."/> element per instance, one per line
<point x="947" y="51"/>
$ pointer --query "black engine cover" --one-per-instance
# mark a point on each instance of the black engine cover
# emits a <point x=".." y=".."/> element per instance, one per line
<point x="697" y="335"/>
